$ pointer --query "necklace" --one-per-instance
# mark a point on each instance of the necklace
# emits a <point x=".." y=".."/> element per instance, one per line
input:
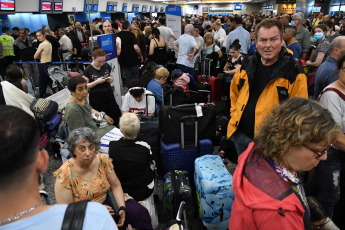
<point x="16" y="217"/>
<point x="79" y="102"/>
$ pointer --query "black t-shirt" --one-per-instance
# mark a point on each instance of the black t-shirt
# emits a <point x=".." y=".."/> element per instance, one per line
<point x="262" y="77"/>
<point x="128" y="57"/>
<point x="93" y="74"/>
<point x="55" y="47"/>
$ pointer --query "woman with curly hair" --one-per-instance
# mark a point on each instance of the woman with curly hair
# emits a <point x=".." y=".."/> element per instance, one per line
<point x="269" y="194"/>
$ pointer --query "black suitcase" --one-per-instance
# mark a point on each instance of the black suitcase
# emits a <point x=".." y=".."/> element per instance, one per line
<point x="170" y="122"/>
<point x="175" y="95"/>
<point x="149" y="132"/>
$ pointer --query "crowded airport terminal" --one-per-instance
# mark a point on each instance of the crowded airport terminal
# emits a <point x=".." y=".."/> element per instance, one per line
<point x="172" y="115"/>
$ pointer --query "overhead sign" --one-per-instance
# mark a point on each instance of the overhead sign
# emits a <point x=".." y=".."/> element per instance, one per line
<point x="173" y="18"/>
<point x="269" y="7"/>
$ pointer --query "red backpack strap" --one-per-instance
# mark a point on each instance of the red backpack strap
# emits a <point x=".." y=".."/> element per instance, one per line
<point x="340" y="94"/>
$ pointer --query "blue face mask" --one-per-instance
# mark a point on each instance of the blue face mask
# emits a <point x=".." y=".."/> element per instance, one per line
<point x="293" y="23"/>
<point x="319" y="36"/>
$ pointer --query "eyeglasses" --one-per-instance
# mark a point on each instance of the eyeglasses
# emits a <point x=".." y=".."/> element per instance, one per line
<point x="320" y="225"/>
<point x="318" y="153"/>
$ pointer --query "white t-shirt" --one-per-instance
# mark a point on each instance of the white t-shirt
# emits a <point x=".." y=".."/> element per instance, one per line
<point x="186" y="45"/>
<point x="97" y="217"/>
<point x="129" y="104"/>
<point x="66" y="43"/>
<point x="200" y="42"/>
<point x="166" y="32"/>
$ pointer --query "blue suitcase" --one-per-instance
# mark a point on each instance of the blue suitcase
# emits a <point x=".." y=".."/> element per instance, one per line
<point x="215" y="195"/>
<point x="181" y="156"/>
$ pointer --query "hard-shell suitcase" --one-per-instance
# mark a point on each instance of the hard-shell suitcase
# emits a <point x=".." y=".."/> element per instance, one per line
<point x="177" y="188"/>
<point x="213" y="183"/>
<point x="214" y="82"/>
<point x="181" y="156"/>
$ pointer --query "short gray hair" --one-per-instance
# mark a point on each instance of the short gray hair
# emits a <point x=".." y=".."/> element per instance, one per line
<point x="129" y="125"/>
<point x="82" y="134"/>
<point x="300" y="16"/>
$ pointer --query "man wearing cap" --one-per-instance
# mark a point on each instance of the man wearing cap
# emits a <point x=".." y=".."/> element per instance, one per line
<point x="187" y="48"/>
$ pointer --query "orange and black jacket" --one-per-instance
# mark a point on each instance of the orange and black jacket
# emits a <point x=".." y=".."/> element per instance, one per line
<point x="287" y="80"/>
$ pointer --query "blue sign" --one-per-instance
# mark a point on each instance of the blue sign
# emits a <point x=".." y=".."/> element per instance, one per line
<point x="173" y="10"/>
<point x="108" y="43"/>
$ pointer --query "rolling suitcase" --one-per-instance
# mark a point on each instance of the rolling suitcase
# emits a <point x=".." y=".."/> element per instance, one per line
<point x="214" y="82"/>
<point x="215" y="195"/>
<point x="177" y="188"/>
<point x="170" y="122"/>
<point x="181" y="156"/>
<point x="149" y="132"/>
<point x="175" y="95"/>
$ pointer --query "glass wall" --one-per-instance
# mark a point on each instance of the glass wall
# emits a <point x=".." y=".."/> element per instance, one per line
<point x="336" y="7"/>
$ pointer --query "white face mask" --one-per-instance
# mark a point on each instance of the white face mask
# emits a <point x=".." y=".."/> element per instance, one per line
<point x="328" y="33"/>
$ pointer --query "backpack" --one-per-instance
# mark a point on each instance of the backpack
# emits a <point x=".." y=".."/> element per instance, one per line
<point x="44" y="109"/>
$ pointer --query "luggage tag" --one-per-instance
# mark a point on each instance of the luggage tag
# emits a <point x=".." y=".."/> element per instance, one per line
<point x="198" y="110"/>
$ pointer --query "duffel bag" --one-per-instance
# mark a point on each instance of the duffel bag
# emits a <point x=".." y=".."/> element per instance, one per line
<point x="170" y="122"/>
<point x="44" y="109"/>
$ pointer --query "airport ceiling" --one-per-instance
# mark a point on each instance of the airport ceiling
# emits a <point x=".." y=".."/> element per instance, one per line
<point x="207" y="1"/>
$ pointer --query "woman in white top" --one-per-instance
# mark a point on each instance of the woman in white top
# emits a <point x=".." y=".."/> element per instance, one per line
<point x="219" y="34"/>
<point x="44" y="53"/>
<point x="327" y="177"/>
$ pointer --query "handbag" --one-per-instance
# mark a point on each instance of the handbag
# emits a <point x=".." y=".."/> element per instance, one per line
<point x="44" y="109"/>
<point x="74" y="216"/>
<point x="99" y="119"/>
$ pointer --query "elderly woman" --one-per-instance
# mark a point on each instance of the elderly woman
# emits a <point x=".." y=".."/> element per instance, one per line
<point x="322" y="51"/>
<point x="78" y="112"/>
<point x="269" y="194"/>
<point x="132" y="159"/>
<point x="89" y="175"/>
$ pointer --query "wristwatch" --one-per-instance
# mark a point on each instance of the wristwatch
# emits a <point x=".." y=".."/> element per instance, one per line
<point x="123" y="208"/>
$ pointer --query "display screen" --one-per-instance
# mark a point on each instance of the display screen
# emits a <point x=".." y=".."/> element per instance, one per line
<point x="110" y="8"/>
<point x="156" y="9"/>
<point x="90" y="7"/>
<point x="114" y="8"/>
<point x="144" y="9"/>
<point x="150" y="8"/>
<point x="238" y="7"/>
<point x="95" y="7"/>
<point x="154" y="14"/>
<point x="58" y="6"/>
<point x="162" y="10"/>
<point x="7" y="5"/>
<point x="124" y="8"/>
<point x="46" y="6"/>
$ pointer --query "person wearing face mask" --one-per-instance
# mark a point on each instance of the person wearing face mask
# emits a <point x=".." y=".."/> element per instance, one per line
<point x="331" y="34"/>
<point x="322" y="51"/>
<point x="302" y="35"/>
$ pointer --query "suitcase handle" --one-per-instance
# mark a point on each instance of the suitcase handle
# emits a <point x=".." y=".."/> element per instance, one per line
<point x="147" y="102"/>
<point x="183" y="120"/>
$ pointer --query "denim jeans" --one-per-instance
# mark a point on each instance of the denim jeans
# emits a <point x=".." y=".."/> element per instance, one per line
<point x="241" y="141"/>
<point x="131" y="73"/>
<point x="327" y="179"/>
<point x="186" y="69"/>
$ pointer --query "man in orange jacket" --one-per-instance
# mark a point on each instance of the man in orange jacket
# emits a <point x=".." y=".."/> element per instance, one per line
<point x="267" y="78"/>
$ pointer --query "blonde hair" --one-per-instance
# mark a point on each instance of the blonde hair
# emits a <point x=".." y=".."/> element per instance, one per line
<point x="162" y="73"/>
<point x="209" y="35"/>
<point x="129" y="125"/>
<point x="296" y="122"/>
<point x="148" y="30"/>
